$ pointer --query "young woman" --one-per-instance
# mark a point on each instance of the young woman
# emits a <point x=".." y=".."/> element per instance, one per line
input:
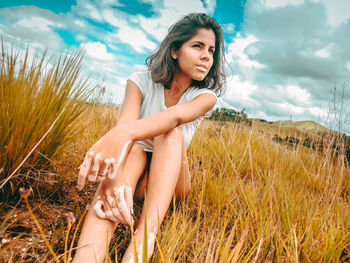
<point x="145" y="153"/>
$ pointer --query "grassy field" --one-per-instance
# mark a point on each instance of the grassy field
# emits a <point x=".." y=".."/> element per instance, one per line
<point x="252" y="200"/>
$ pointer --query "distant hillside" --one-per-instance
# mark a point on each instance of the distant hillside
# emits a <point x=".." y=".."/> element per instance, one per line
<point x="283" y="128"/>
<point x="306" y="126"/>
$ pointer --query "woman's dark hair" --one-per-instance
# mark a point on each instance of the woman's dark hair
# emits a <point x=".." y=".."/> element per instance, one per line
<point x="163" y="66"/>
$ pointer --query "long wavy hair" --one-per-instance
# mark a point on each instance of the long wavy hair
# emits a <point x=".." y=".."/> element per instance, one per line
<point x="162" y="66"/>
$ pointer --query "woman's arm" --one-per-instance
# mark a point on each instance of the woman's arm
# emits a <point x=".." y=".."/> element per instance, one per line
<point x="113" y="147"/>
<point x="101" y="155"/>
<point x="130" y="108"/>
<point x="162" y="122"/>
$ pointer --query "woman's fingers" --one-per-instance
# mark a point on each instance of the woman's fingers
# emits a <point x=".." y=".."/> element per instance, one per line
<point x="95" y="168"/>
<point x="111" y="167"/>
<point x="108" y="211"/>
<point x="104" y="169"/>
<point x="84" y="169"/>
<point x="115" y="211"/>
<point x="123" y="153"/>
<point x="99" y="212"/>
<point x="124" y="208"/>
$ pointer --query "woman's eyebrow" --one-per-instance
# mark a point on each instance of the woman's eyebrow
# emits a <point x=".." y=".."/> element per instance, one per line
<point x="202" y="43"/>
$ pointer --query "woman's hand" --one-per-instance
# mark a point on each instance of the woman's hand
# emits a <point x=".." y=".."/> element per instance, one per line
<point x="115" y="201"/>
<point x="105" y="157"/>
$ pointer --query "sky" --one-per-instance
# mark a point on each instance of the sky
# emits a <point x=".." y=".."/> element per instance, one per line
<point x="284" y="57"/>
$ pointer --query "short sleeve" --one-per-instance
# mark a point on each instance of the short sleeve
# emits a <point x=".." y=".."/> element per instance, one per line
<point x="202" y="91"/>
<point x="196" y="92"/>
<point x="141" y="79"/>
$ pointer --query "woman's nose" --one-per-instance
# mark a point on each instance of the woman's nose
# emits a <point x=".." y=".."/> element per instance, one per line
<point x="205" y="55"/>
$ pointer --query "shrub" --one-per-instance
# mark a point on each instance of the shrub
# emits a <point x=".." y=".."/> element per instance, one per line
<point x="34" y="95"/>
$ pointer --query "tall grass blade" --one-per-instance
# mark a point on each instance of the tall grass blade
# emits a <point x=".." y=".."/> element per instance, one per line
<point x="145" y="242"/>
<point x="40" y="230"/>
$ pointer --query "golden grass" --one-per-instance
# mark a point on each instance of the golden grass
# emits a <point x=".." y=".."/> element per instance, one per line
<point x="32" y="97"/>
<point x="260" y="201"/>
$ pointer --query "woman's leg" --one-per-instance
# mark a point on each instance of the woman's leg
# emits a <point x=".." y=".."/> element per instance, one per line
<point x="97" y="233"/>
<point x="168" y="171"/>
<point x="183" y="185"/>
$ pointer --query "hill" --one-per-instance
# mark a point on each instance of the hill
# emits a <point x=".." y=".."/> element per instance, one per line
<point x="306" y="126"/>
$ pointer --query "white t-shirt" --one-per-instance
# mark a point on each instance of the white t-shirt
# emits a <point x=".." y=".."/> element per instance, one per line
<point x="153" y="102"/>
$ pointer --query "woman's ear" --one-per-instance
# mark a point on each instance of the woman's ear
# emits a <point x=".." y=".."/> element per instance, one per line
<point x="174" y="53"/>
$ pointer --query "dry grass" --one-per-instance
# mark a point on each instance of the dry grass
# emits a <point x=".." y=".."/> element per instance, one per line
<point x="252" y="200"/>
<point x="33" y="97"/>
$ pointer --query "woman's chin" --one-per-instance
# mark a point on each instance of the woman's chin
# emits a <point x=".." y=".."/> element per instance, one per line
<point x="199" y="78"/>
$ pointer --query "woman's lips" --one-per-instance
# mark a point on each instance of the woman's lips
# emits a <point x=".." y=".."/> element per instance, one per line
<point x="201" y="68"/>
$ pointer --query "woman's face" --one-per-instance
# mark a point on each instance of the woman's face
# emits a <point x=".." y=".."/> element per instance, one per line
<point x="195" y="57"/>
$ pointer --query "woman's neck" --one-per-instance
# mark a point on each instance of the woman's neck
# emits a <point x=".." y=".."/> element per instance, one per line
<point x="180" y="83"/>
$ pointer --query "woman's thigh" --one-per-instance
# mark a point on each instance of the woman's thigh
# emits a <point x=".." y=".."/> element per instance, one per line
<point x="143" y="180"/>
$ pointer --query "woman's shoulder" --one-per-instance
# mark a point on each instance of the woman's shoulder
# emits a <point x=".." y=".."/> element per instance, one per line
<point x="193" y="92"/>
<point x="142" y="79"/>
<point x="142" y="75"/>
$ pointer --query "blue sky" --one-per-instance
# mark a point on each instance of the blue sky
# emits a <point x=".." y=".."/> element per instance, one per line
<point x="286" y="55"/>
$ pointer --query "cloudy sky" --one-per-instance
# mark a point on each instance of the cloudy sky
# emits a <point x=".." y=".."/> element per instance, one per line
<point x="286" y="56"/>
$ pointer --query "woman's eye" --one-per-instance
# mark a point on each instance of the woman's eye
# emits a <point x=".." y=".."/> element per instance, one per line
<point x="196" y="45"/>
<point x="211" y="51"/>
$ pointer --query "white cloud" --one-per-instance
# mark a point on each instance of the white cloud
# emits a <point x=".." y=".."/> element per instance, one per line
<point x="294" y="94"/>
<point x="229" y="28"/>
<point x="318" y="112"/>
<point x="112" y="19"/>
<point x="338" y="11"/>
<point x="237" y="52"/>
<point x="36" y="31"/>
<point x="78" y="23"/>
<point x="91" y="8"/>
<point x="110" y="2"/>
<point x="169" y="13"/>
<point x="210" y="6"/>
<point x="135" y="38"/>
<point x="280" y="3"/>
<point x="38" y="23"/>
<point x="184" y="7"/>
<point x="239" y="92"/>
<point x="95" y="15"/>
<point x="97" y="50"/>
<point x="323" y="53"/>
<point x="157" y="27"/>
<point x="287" y="108"/>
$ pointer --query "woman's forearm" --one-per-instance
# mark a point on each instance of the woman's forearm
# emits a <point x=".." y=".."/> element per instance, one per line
<point x="150" y="126"/>
<point x="166" y="120"/>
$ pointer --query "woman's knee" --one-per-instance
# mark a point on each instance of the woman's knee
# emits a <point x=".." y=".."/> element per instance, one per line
<point x="173" y="136"/>
<point x="136" y="151"/>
